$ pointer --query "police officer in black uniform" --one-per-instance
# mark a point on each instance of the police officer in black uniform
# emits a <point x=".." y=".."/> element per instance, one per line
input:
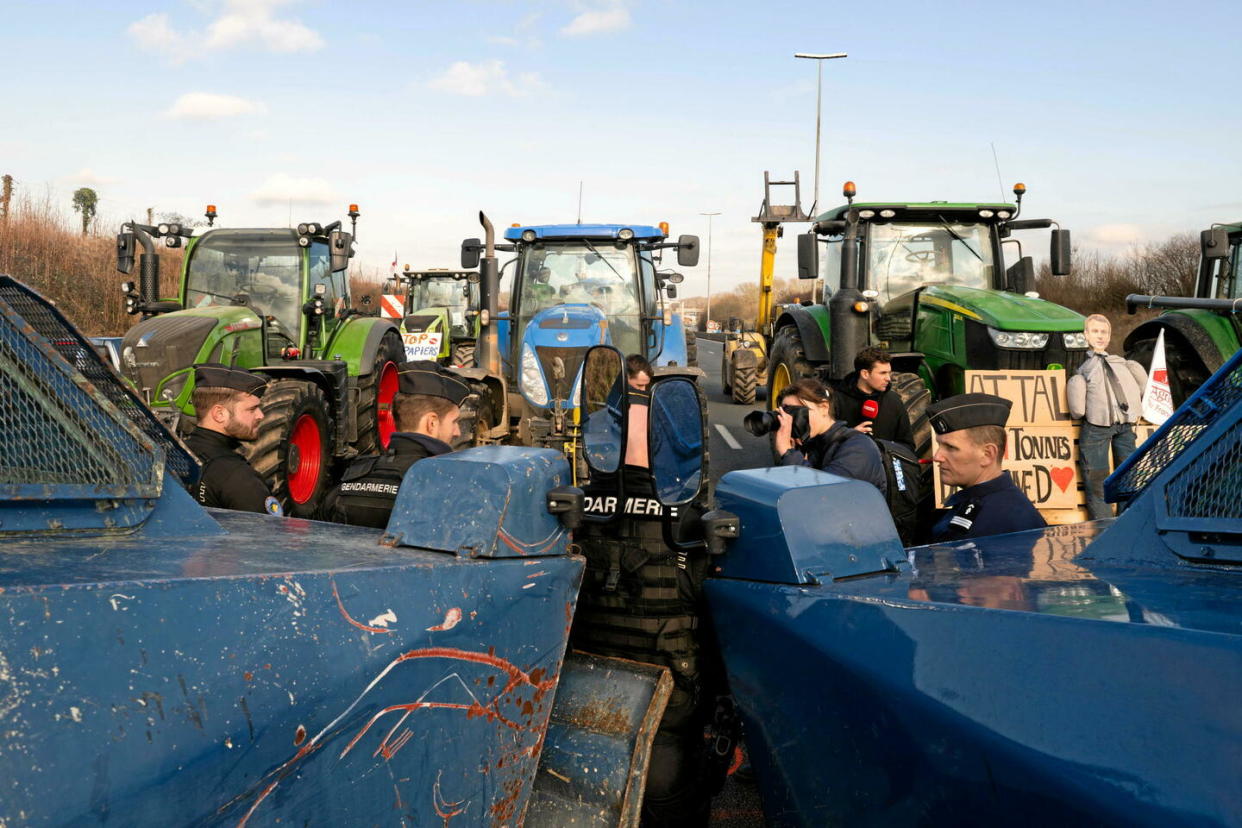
<point x="226" y="400"/>
<point x="427" y="409"/>
<point x="970" y="431"/>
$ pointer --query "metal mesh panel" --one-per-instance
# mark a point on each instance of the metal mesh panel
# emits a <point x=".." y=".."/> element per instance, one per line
<point x="1213" y="400"/>
<point x="1211" y="485"/>
<point x="80" y="354"/>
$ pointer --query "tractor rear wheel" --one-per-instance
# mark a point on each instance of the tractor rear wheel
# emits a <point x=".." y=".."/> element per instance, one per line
<point x="462" y="355"/>
<point x="692" y="349"/>
<point x="293" y="450"/>
<point x="916" y="396"/>
<point x="744" y="381"/>
<point x="375" y="393"/>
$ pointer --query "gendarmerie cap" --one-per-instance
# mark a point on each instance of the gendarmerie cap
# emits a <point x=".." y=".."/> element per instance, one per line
<point x="429" y="379"/>
<point x="219" y="375"/>
<point x="968" y="411"/>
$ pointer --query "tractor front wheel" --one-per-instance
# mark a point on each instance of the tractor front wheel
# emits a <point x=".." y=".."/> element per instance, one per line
<point x="692" y="349"/>
<point x="916" y="396"/>
<point x="293" y="450"/>
<point x="375" y="394"/>
<point x="745" y="378"/>
<point x="462" y="355"/>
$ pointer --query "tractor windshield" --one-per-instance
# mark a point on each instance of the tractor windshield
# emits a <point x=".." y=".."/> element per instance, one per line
<point x="459" y="296"/>
<point x="259" y="268"/>
<point x="585" y="273"/>
<point x="904" y="256"/>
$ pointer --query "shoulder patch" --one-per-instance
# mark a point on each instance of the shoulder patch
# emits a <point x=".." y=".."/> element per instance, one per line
<point x="272" y="506"/>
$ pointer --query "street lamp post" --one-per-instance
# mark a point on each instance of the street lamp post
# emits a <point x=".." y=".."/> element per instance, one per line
<point x="819" y="84"/>
<point x="709" y="268"/>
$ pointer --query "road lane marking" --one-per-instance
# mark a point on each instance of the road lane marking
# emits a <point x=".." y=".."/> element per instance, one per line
<point x="728" y="438"/>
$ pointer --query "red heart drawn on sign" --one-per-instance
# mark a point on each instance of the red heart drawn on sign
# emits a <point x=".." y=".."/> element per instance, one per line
<point x="1062" y="476"/>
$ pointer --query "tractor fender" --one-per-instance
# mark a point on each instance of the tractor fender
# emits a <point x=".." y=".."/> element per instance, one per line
<point x="1192" y="329"/>
<point x="496" y="389"/>
<point x="812" y="332"/>
<point x="331" y="385"/>
<point x="357" y="342"/>
<point x="744" y="358"/>
<point x="333" y="378"/>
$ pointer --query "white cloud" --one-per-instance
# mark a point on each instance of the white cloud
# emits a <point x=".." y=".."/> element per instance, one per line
<point x="238" y="23"/>
<point x="598" y="21"/>
<point x="208" y="106"/>
<point x="282" y="189"/>
<point x="485" y="78"/>
<point x="86" y="177"/>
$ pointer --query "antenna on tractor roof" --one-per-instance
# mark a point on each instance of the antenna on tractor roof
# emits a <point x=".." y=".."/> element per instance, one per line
<point x="580" y="201"/>
<point x="999" y="183"/>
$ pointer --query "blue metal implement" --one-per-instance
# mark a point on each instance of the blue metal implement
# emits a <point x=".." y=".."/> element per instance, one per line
<point x="1073" y="675"/>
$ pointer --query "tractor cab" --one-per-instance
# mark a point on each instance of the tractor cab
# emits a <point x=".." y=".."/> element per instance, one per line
<point x="441" y="314"/>
<point x="1220" y="268"/>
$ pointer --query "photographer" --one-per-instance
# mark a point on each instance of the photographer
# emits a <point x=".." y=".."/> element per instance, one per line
<point x="818" y="440"/>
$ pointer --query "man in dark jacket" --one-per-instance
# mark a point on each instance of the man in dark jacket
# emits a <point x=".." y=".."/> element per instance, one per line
<point x="226" y="401"/>
<point x="828" y="444"/>
<point x="970" y="431"/>
<point x="864" y="401"/>
<point x="426" y="408"/>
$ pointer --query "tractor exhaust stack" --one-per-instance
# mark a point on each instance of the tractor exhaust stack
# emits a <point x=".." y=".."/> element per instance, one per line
<point x="488" y="353"/>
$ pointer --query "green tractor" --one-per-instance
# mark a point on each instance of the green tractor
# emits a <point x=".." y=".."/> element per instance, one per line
<point x="277" y="301"/>
<point x="928" y="282"/>
<point x="1202" y="331"/>
<point x="440" y="318"/>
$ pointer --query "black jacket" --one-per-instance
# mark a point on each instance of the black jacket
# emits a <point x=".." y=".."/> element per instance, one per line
<point x="227" y="481"/>
<point x="369" y="486"/>
<point x="892" y="423"/>
<point x="992" y="508"/>
<point x="841" y="451"/>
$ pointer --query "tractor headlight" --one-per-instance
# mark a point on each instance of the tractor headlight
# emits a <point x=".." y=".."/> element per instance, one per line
<point x="173" y="387"/>
<point x="532" y="378"/>
<point x="1021" y="340"/>
<point x="528" y="235"/>
<point x="1075" y="340"/>
<point x="625" y="234"/>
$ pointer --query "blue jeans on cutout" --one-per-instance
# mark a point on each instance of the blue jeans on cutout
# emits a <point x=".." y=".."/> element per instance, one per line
<point x="1093" y="447"/>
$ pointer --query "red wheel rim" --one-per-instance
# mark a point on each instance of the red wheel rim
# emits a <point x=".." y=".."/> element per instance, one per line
<point x="385" y="422"/>
<point x="306" y="443"/>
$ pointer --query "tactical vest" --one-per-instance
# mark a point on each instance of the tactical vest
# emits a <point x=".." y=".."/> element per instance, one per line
<point x="641" y="600"/>
<point x="368" y="490"/>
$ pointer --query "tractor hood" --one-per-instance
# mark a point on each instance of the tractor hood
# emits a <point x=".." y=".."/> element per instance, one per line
<point x="554" y="344"/>
<point x="165" y="344"/>
<point x="1003" y="310"/>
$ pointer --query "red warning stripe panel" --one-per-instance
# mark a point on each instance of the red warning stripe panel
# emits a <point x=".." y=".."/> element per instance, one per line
<point x="391" y="306"/>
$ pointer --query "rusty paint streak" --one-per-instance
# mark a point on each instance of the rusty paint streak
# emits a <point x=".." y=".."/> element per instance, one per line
<point x="437" y="799"/>
<point x="345" y="614"/>
<point x="538" y="574"/>
<point x="602" y="716"/>
<point x="524" y="548"/>
<point x="451" y="619"/>
<point x="299" y="735"/>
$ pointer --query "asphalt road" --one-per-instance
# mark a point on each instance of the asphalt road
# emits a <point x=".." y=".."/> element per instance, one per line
<point x="730" y="445"/>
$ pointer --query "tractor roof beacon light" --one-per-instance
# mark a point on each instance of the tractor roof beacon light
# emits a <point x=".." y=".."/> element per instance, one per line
<point x="664" y="228"/>
<point x="849" y="191"/>
<point x="211" y="215"/>
<point x="353" y="214"/>
<point x="1019" y="190"/>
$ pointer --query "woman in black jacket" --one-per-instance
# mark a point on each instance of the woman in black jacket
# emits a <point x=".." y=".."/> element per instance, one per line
<point x="828" y="445"/>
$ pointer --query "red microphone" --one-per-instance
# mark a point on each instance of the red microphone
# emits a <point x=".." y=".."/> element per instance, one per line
<point x="870" y="408"/>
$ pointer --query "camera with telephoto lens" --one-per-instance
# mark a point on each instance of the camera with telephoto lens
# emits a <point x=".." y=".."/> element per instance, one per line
<point x="762" y="422"/>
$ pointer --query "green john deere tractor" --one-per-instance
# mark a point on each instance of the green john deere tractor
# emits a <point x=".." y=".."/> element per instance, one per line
<point x="442" y="310"/>
<point x="276" y="301"/>
<point x="1200" y="331"/>
<point x="928" y="282"/>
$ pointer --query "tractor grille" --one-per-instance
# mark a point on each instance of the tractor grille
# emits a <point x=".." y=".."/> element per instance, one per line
<point x="985" y="356"/>
<point x="571" y="359"/>
<point x="20" y="421"/>
<point x="162" y="345"/>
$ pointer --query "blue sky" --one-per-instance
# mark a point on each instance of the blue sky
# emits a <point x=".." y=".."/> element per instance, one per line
<point x="1118" y="117"/>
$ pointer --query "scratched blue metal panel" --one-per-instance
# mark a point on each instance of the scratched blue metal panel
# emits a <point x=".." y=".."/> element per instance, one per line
<point x="289" y="671"/>
<point x="1060" y="675"/>
<point x="785" y="512"/>
<point x="485" y="502"/>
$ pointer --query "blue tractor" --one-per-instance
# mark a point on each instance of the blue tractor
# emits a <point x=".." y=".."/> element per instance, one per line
<point x="575" y="286"/>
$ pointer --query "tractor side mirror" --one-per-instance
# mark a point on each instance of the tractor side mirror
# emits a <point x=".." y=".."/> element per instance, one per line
<point x="125" y="252"/>
<point x="808" y="256"/>
<point x="603" y="407"/>
<point x="671" y="290"/>
<point x="471" y="251"/>
<point x="1214" y="243"/>
<point x="1059" y="256"/>
<point x="687" y="251"/>
<point x="675" y="432"/>
<point x="341" y="248"/>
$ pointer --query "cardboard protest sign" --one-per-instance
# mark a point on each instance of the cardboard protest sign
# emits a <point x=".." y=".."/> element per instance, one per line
<point x="1038" y="396"/>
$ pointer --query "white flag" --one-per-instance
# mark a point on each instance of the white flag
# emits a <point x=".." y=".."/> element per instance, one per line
<point x="1157" y="399"/>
